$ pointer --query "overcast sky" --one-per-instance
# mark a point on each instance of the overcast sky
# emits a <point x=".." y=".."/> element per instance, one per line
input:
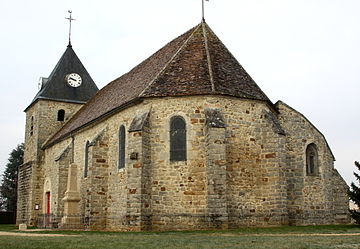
<point x="303" y="52"/>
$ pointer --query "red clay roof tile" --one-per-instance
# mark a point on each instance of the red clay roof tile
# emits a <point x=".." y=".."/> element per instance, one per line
<point x="195" y="63"/>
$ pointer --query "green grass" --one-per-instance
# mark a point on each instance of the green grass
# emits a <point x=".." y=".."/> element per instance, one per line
<point x="278" y="237"/>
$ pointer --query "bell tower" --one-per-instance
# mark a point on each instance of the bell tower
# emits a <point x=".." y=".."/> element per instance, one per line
<point x="68" y="87"/>
<point x="60" y="96"/>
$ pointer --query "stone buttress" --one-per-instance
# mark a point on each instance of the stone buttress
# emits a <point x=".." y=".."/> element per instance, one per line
<point x="215" y="144"/>
<point x="138" y="208"/>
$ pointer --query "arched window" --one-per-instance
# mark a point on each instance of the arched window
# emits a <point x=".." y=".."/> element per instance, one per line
<point x="177" y="139"/>
<point x="86" y="159"/>
<point x="312" y="164"/>
<point x="32" y="126"/>
<point x="61" y="115"/>
<point x="121" y="163"/>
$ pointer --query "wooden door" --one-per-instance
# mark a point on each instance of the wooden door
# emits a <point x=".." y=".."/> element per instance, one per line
<point x="48" y="203"/>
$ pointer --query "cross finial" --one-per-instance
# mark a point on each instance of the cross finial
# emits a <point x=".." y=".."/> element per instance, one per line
<point x="70" y="19"/>
<point x="203" y="11"/>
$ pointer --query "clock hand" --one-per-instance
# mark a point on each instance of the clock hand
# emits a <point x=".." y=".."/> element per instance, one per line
<point x="72" y="78"/>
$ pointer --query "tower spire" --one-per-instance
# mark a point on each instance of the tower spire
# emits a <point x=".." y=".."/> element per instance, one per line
<point x="70" y="20"/>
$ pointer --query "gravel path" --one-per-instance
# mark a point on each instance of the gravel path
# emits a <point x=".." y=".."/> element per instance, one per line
<point x="34" y="234"/>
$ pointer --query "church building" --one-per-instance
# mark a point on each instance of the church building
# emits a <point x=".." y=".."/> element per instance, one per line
<point x="185" y="140"/>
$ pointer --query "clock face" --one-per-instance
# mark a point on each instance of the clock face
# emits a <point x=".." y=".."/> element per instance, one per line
<point x="73" y="79"/>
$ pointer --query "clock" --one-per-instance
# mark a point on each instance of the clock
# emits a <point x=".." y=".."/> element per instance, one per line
<point x="73" y="79"/>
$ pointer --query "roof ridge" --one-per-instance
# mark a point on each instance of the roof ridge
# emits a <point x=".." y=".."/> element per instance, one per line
<point x="171" y="59"/>
<point x="208" y="57"/>
<point x="238" y="63"/>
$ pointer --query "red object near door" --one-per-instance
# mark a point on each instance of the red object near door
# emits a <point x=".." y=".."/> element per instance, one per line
<point x="47" y="202"/>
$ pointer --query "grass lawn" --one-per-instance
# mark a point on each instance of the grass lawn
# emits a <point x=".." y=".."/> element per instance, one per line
<point x="282" y="237"/>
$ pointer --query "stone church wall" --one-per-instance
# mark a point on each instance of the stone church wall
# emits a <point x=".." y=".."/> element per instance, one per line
<point x="55" y="171"/>
<point x="29" y="180"/>
<point x="97" y="193"/>
<point x="249" y="173"/>
<point x="41" y="123"/>
<point x="310" y="196"/>
<point x="255" y="178"/>
<point x="62" y="163"/>
<point x="24" y="179"/>
<point x="31" y="134"/>
<point x="216" y="164"/>
<point x="44" y="114"/>
<point x="180" y="190"/>
<point x="340" y="200"/>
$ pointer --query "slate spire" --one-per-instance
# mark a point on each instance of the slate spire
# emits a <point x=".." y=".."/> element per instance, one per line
<point x="57" y="86"/>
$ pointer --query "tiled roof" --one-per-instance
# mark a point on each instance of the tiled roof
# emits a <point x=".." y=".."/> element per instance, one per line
<point x="194" y="63"/>
<point x="56" y="88"/>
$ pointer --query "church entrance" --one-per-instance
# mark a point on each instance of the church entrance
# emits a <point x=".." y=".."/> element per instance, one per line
<point x="47" y="202"/>
<point x="47" y="210"/>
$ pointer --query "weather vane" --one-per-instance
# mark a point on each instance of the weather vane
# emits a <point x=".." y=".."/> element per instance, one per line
<point x="70" y="19"/>
<point x="203" y="10"/>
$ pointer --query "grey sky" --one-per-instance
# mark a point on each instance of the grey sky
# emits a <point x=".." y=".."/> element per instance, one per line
<point x="305" y="53"/>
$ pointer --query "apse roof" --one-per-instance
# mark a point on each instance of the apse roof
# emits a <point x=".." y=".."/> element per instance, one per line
<point x="195" y="63"/>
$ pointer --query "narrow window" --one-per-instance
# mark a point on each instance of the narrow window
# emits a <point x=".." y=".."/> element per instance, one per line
<point x="177" y="139"/>
<point x="121" y="163"/>
<point x="86" y="159"/>
<point x="312" y="167"/>
<point x="61" y="115"/>
<point x="32" y="126"/>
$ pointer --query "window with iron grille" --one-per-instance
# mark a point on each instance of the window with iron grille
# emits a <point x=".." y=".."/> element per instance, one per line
<point x="121" y="163"/>
<point x="177" y="139"/>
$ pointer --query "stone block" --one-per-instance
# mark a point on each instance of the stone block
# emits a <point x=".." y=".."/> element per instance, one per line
<point x="22" y="227"/>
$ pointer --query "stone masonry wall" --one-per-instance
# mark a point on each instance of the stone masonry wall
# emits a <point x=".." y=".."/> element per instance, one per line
<point x="30" y="150"/>
<point x="94" y="187"/>
<point x="310" y="196"/>
<point x="138" y="215"/>
<point x="178" y="189"/>
<point x="152" y="192"/>
<point x="51" y="177"/>
<point x="256" y="182"/>
<point x="45" y="124"/>
<point x="216" y="185"/>
<point x="24" y="178"/>
<point x="62" y="167"/>
<point x="29" y="190"/>
<point x="340" y="199"/>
